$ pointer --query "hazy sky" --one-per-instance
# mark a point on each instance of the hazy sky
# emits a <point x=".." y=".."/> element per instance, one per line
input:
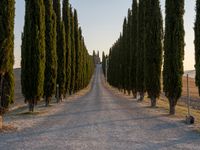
<point x="101" y="22"/>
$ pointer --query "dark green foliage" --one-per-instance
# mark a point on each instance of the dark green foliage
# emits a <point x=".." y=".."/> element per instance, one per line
<point x="130" y="77"/>
<point x="134" y="45"/>
<point x="7" y="15"/>
<point x="33" y="52"/>
<point x="153" y="50"/>
<point x="80" y="62"/>
<point x="79" y="65"/>
<point x="66" y="19"/>
<point x="197" y="44"/>
<point x="61" y="50"/>
<point x="56" y="8"/>
<point x="129" y="60"/>
<point x="77" y="53"/>
<point x="61" y="79"/>
<point x="8" y="90"/>
<point x="173" y="51"/>
<point x="140" y="84"/>
<point x="73" y="54"/>
<point x="104" y="63"/>
<point x="51" y="55"/>
<point x="124" y="56"/>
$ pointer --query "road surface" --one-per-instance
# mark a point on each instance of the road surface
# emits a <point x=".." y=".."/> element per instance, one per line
<point x="100" y="120"/>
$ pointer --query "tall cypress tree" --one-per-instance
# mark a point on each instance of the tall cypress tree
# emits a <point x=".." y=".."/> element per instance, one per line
<point x="134" y="39"/>
<point x="124" y="55"/>
<point x="197" y="44"/>
<point x="7" y="14"/>
<point x="61" y="80"/>
<point x="33" y="52"/>
<point x="104" y="63"/>
<point x="57" y="10"/>
<point x="66" y="19"/>
<point x="129" y="75"/>
<point x="51" y="55"/>
<point x="173" y="51"/>
<point x="73" y="54"/>
<point x="153" y="51"/>
<point x="140" y="83"/>
<point x="80" y="78"/>
<point x="77" y="51"/>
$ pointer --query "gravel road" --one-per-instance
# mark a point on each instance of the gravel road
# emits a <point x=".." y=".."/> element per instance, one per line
<point x="99" y="120"/>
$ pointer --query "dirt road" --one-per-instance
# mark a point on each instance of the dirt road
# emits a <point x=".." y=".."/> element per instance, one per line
<point x="99" y="121"/>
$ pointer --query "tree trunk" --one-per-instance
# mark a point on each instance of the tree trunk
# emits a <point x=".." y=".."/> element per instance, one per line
<point x="58" y="99"/>
<point x="134" y="94"/>
<point x="1" y="92"/>
<point x="61" y="98"/>
<point x="141" y="96"/>
<point x="129" y="92"/>
<point x="31" y="105"/>
<point x="47" y="101"/>
<point x="153" y="102"/>
<point x="124" y="91"/>
<point x="1" y="122"/>
<point x="172" y="106"/>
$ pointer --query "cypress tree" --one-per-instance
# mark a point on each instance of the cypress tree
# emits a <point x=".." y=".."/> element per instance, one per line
<point x="51" y="57"/>
<point x="197" y="44"/>
<point x="73" y="54"/>
<point x="33" y="52"/>
<point x="84" y="65"/>
<point x="94" y="56"/>
<point x="7" y="15"/>
<point x="61" y="79"/>
<point x="153" y="51"/>
<point x="81" y="59"/>
<point x="126" y="44"/>
<point x="77" y="51"/>
<point x="133" y="39"/>
<point x="173" y="51"/>
<point x="119" y="49"/>
<point x="104" y="63"/>
<point x="66" y="19"/>
<point x="129" y="75"/>
<point x="57" y="10"/>
<point x="124" y="55"/>
<point x="140" y="84"/>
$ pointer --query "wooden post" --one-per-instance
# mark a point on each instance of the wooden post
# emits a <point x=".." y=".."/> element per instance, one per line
<point x="188" y="95"/>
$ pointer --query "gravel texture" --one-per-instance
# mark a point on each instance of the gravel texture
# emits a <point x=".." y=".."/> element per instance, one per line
<point x="98" y="120"/>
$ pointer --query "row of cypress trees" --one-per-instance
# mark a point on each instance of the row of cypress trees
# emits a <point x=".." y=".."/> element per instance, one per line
<point x="135" y="59"/>
<point x="53" y="52"/>
<point x="7" y="14"/>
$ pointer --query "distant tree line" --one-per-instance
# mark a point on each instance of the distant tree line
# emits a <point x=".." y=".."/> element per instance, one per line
<point x="136" y="58"/>
<point x="53" y="52"/>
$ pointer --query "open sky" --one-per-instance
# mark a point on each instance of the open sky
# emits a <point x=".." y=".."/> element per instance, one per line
<point x="101" y="22"/>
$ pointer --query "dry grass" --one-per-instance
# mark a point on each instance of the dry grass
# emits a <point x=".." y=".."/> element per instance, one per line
<point x="181" y="111"/>
<point x="163" y="105"/>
